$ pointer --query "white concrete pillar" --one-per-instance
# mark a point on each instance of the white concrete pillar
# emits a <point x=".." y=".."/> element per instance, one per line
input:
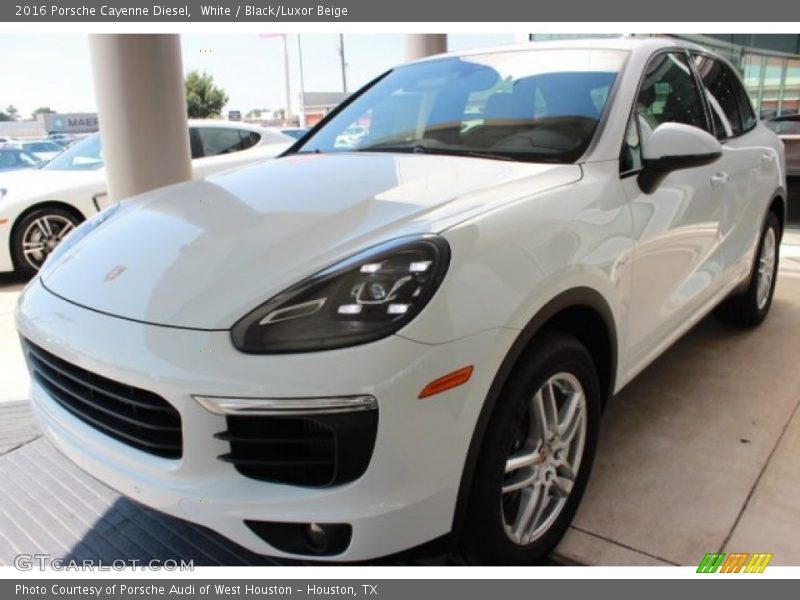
<point x="420" y="45"/>
<point x="141" y="105"/>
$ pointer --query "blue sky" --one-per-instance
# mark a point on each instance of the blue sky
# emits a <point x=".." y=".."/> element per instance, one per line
<point x="54" y="70"/>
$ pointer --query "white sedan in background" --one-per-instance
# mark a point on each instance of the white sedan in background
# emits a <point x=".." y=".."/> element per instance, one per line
<point x="39" y="207"/>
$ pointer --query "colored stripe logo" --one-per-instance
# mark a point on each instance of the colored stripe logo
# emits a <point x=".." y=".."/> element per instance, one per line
<point x="736" y="562"/>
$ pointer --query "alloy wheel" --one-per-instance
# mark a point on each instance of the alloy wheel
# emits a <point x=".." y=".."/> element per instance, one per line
<point x="544" y="459"/>
<point x="42" y="236"/>
<point x="766" y="267"/>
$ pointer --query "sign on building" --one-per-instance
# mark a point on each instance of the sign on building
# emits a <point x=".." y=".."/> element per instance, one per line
<point x="69" y="122"/>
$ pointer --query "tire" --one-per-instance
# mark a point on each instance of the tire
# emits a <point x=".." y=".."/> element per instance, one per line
<point x="492" y="515"/>
<point x="35" y="236"/>
<point x="750" y="307"/>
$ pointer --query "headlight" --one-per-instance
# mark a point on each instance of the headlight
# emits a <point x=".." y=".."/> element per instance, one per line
<point x="362" y="299"/>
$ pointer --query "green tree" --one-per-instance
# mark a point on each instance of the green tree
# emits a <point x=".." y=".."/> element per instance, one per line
<point x="42" y="110"/>
<point x="203" y="98"/>
<point x="12" y="112"/>
<point x="5" y="117"/>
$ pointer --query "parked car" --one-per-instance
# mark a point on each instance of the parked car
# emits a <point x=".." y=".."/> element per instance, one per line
<point x="13" y="159"/>
<point x="788" y="129"/>
<point x="43" y="150"/>
<point x="41" y="207"/>
<point x="787" y="124"/>
<point x="62" y="139"/>
<point x="343" y="354"/>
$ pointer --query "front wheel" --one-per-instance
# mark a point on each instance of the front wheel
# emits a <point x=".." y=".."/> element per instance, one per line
<point x="536" y="456"/>
<point x="37" y="234"/>
<point x="750" y="308"/>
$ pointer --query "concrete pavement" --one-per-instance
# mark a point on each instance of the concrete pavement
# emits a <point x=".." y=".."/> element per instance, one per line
<point x="13" y="373"/>
<point x="699" y="453"/>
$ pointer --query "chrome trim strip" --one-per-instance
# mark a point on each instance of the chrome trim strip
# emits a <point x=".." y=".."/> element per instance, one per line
<point x="285" y="406"/>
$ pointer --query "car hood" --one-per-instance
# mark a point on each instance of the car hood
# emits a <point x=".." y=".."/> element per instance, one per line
<point x="202" y="254"/>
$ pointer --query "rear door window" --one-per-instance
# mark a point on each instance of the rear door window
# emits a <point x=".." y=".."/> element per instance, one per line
<point x="720" y="92"/>
<point x="213" y="141"/>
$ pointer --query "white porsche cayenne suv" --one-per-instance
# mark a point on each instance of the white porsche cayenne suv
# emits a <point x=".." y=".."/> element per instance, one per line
<point x="361" y="347"/>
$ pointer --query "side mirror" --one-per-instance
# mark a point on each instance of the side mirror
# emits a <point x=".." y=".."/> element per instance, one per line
<point x="674" y="146"/>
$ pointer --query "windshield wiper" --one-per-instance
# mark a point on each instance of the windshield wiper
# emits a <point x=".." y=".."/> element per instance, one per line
<point x="478" y="154"/>
<point x="421" y="149"/>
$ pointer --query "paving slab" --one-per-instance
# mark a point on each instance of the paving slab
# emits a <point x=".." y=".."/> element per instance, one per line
<point x="579" y="547"/>
<point x="49" y="506"/>
<point x="13" y="373"/>
<point x="770" y="521"/>
<point x="684" y="444"/>
<point x="17" y="426"/>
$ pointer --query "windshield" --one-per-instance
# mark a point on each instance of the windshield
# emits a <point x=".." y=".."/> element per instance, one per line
<point x="85" y="155"/>
<point x="532" y="105"/>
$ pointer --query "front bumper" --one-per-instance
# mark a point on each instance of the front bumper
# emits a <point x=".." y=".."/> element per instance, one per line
<point x="408" y="493"/>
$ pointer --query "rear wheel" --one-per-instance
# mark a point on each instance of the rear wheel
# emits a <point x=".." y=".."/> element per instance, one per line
<point x="536" y="456"/>
<point x="37" y="234"/>
<point x="751" y="306"/>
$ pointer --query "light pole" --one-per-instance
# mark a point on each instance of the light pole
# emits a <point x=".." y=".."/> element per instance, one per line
<point x="302" y="84"/>
<point x="344" y="64"/>
<point x="288" y="112"/>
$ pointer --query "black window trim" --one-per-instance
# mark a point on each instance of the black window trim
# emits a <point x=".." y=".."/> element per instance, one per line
<point x="196" y="141"/>
<point x="295" y="148"/>
<point x="734" y="74"/>
<point x="700" y="88"/>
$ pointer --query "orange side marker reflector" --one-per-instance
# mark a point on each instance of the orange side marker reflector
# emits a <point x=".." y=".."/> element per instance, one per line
<point x="3" y="221"/>
<point x="449" y="381"/>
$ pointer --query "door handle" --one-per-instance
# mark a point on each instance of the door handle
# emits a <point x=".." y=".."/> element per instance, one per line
<point x="719" y="179"/>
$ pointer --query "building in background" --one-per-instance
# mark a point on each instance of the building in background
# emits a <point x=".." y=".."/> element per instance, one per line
<point x="318" y="104"/>
<point x="68" y="122"/>
<point x="769" y="65"/>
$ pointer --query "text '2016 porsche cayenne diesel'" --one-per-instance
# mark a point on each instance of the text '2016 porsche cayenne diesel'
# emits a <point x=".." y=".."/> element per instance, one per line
<point x="405" y="328"/>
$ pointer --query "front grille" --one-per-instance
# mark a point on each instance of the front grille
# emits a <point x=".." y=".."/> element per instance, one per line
<point x="316" y="451"/>
<point x="131" y="415"/>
